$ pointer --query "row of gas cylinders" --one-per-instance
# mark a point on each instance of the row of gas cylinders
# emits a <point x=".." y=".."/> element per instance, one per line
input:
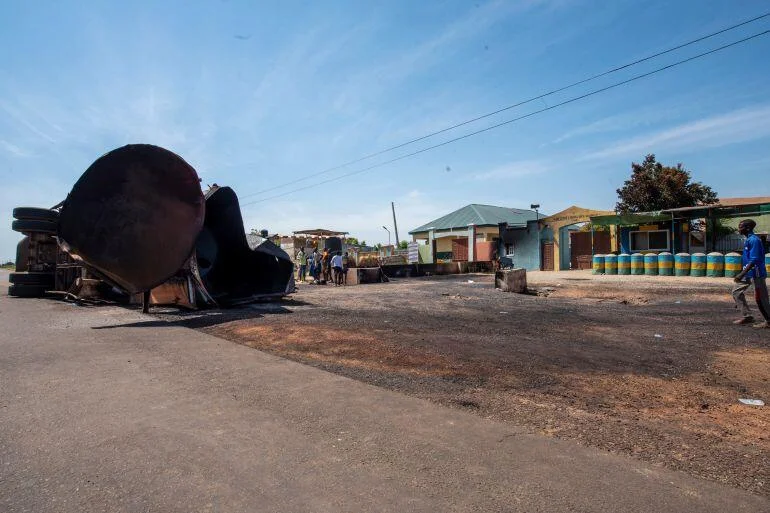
<point x="666" y="264"/>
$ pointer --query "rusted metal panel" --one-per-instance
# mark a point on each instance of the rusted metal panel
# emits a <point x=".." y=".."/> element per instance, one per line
<point x="138" y="224"/>
<point x="178" y="291"/>
<point x="134" y="216"/>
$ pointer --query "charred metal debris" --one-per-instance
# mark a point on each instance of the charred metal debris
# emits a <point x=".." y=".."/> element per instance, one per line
<point x="136" y="227"/>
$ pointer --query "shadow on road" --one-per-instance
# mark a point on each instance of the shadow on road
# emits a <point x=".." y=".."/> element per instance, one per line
<point x="166" y="317"/>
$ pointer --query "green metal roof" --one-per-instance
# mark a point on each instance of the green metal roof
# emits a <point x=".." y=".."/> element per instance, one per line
<point x="731" y="208"/>
<point x="480" y="215"/>
<point x="630" y="219"/>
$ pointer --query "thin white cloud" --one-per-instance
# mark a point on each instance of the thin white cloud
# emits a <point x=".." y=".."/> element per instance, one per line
<point x="740" y="125"/>
<point x="515" y="169"/>
<point x="23" y="117"/>
<point x="474" y="22"/>
<point x="651" y="115"/>
<point x="14" y="150"/>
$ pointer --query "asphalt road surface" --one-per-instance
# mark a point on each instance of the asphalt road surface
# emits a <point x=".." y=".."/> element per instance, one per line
<point x="104" y="409"/>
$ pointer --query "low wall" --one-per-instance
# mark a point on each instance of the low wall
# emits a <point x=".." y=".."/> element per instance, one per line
<point x="414" y="270"/>
<point x="362" y="275"/>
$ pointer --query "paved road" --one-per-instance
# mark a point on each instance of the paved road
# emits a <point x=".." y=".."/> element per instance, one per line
<point x="103" y="409"/>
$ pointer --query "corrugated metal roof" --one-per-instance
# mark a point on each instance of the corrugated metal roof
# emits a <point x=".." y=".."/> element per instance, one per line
<point x="320" y="232"/>
<point x="480" y="215"/>
<point x="726" y="203"/>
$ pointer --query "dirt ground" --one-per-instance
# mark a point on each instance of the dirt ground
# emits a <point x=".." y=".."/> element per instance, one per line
<point x="645" y="366"/>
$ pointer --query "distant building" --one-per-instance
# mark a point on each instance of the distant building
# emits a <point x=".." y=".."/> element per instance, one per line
<point x="698" y="229"/>
<point x="471" y="234"/>
<point x="519" y="237"/>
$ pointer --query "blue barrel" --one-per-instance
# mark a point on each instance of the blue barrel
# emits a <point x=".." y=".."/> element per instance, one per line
<point x="598" y="264"/>
<point x="651" y="264"/>
<point x="624" y="263"/>
<point x="682" y="264"/>
<point x="715" y="264"/>
<point x="637" y="263"/>
<point x="698" y="264"/>
<point x="665" y="264"/>
<point x="610" y="264"/>
<point x="732" y="264"/>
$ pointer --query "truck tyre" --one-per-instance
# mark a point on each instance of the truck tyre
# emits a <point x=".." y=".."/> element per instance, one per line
<point x="22" y="255"/>
<point x="25" y="291"/>
<point x="45" y="280"/>
<point x="42" y="214"/>
<point x="34" y="226"/>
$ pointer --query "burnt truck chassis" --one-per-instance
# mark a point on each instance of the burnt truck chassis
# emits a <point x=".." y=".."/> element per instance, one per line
<point x="136" y="227"/>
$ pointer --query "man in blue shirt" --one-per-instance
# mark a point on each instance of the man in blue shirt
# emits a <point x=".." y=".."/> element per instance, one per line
<point x="753" y="272"/>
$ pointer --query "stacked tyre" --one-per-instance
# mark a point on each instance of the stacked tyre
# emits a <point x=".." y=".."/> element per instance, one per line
<point x="38" y="225"/>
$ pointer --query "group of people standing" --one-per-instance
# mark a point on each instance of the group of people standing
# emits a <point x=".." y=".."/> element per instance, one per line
<point x="325" y="267"/>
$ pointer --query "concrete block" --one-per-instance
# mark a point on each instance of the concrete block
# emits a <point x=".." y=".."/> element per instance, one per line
<point x="511" y="280"/>
<point x="362" y="275"/>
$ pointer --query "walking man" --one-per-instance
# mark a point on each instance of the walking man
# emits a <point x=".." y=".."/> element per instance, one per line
<point x="317" y="266"/>
<point x="302" y="261"/>
<point x="753" y="272"/>
<point x="311" y="265"/>
<point x="337" y="267"/>
<point x="326" y="263"/>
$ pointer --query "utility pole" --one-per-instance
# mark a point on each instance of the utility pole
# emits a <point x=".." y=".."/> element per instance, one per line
<point x="395" y="226"/>
<point x="535" y="206"/>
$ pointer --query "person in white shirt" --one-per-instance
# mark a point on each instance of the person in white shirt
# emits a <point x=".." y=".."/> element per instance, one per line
<point x="337" y="268"/>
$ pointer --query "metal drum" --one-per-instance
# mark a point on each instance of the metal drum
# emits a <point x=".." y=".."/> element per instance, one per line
<point x="698" y="264"/>
<point x="637" y="263"/>
<point x="610" y="264"/>
<point x="666" y="264"/>
<point x="651" y="264"/>
<point x="732" y="264"/>
<point x="134" y="216"/>
<point x="624" y="263"/>
<point x="682" y="264"/>
<point x="715" y="264"/>
<point x="598" y="264"/>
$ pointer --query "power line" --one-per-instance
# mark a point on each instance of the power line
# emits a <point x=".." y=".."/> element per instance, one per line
<point x="512" y="106"/>
<point x="533" y="113"/>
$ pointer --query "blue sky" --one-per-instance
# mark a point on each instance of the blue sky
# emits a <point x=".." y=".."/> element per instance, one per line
<point x="255" y="94"/>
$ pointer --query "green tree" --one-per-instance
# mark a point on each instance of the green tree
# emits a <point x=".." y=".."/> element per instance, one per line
<point x="403" y="244"/>
<point x="352" y="241"/>
<point x="653" y="186"/>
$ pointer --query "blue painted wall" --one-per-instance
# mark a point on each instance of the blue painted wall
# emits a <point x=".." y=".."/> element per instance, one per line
<point x="676" y="244"/>
<point x="526" y="250"/>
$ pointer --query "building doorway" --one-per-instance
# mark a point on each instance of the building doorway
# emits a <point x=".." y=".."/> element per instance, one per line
<point x="460" y="250"/>
<point x="547" y="256"/>
<point x="580" y="247"/>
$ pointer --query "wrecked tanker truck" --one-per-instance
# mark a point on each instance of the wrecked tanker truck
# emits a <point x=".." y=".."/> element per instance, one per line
<point x="137" y="225"/>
